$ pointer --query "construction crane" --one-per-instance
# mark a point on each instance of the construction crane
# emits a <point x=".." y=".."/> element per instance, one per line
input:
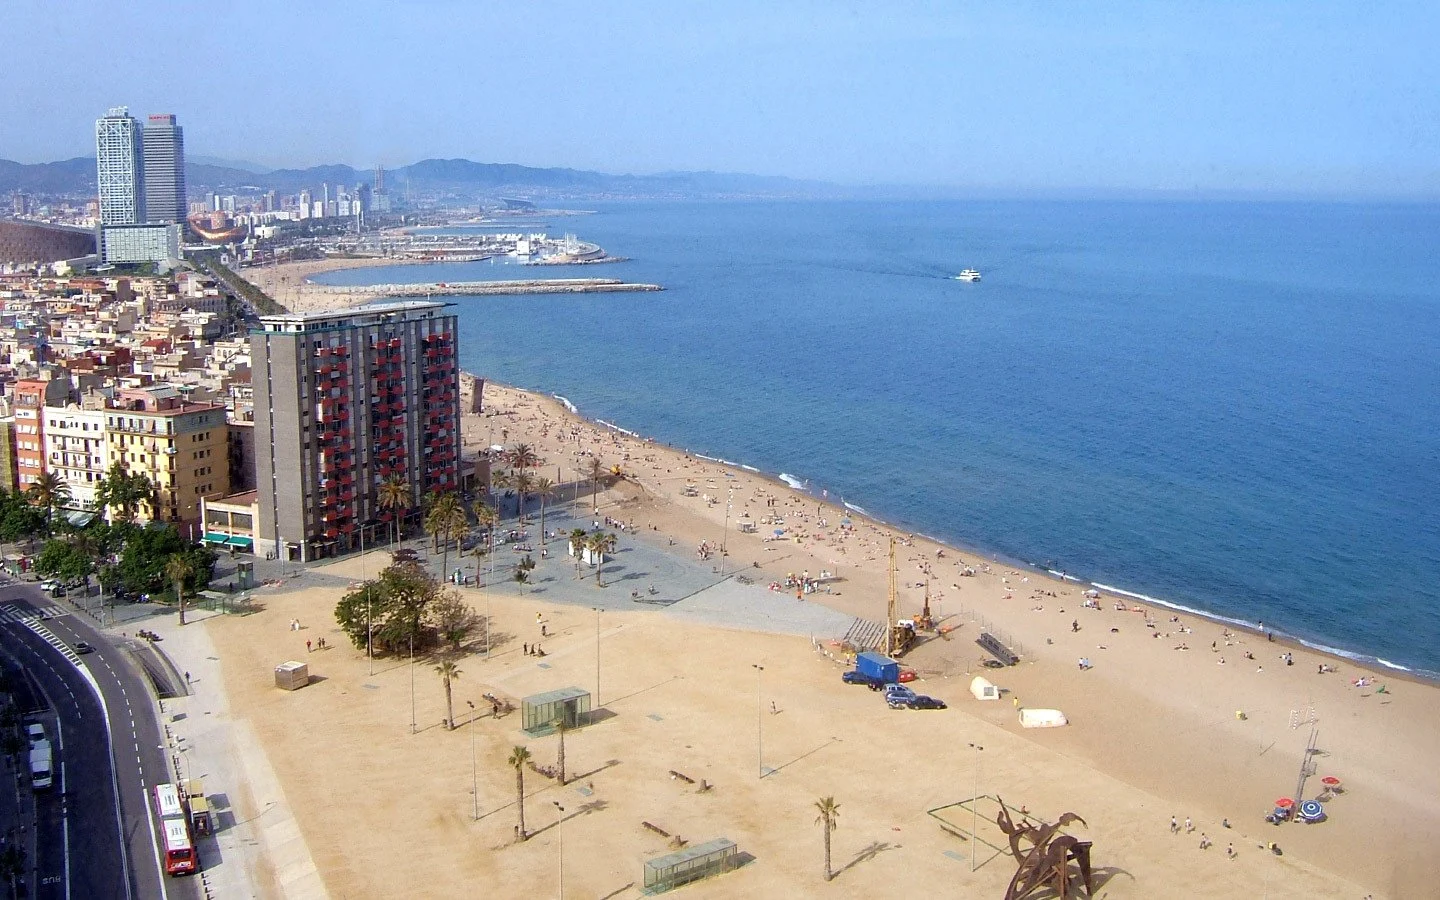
<point x="898" y="637"/>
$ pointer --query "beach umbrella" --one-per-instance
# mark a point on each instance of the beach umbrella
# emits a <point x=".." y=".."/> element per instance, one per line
<point x="1284" y="803"/>
<point x="1330" y="781"/>
<point x="1312" y="811"/>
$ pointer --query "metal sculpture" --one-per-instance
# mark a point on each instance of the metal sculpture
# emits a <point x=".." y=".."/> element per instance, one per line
<point x="1046" y="863"/>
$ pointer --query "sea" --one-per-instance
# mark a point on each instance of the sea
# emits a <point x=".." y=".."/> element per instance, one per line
<point x="1228" y="407"/>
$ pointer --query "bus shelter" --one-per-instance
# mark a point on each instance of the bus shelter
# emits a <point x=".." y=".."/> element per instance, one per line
<point x="540" y="713"/>
<point x="691" y="864"/>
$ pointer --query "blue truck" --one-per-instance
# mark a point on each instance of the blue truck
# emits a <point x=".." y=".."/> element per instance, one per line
<point x="874" y="669"/>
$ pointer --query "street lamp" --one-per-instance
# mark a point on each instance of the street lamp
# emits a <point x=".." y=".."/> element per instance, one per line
<point x="975" y="809"/>
<point x="560" y="839"/>
<point x="725" y="533"/>
<point x="759" y="721"/>
<point x="412" y="682"/>
<point x="474" y="770"/>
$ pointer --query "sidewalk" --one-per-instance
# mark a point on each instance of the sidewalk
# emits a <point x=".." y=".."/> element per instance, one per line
<point x="257" y="849"/>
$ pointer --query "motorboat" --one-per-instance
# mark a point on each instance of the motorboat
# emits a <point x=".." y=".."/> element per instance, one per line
<point x="968" y="275"/>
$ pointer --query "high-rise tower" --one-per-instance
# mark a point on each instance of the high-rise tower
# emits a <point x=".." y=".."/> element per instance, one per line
<point x="164" y="170"/>
<point x="119" y="168"/>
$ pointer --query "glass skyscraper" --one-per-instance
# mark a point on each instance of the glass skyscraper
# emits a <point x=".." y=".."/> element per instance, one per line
<point x="120" y="170"/>
<point x="164" y="170"/>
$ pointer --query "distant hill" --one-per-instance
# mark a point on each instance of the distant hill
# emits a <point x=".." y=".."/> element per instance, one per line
<point x="463" y="178"/>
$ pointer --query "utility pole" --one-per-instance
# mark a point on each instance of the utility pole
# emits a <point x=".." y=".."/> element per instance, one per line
<point x="560" y="839"/>
<point x="474" y="770"/>
<point x="974" y="808"/>
<point x="597" y="656"/>
<point x="759" y="721"/>
<point x="412" y="682"/>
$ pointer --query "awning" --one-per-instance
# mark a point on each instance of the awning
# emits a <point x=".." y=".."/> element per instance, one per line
<point x="239" y="541"/>
<point x="80" y="518"/>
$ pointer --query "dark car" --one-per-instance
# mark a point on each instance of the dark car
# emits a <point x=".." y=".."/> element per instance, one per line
<point x="82" y="647"/>
<point x="854" y="677"/>
<point x="923" y="701"/>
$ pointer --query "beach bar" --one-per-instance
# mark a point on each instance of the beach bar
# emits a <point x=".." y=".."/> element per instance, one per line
<point x="540" y="712"/>
<point x="691" y="864"/>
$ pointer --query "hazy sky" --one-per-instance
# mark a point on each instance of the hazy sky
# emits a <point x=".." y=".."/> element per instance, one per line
<point x="1334" y="97"/>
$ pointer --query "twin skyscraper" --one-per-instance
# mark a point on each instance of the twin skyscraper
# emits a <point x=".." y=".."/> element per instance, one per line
<point x="140" y="174"/>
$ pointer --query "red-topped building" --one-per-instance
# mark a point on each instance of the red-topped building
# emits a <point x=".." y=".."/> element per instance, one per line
<point x="344" y="401"/>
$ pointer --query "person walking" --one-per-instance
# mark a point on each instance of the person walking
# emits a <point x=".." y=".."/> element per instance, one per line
<point x="308" y="648"/>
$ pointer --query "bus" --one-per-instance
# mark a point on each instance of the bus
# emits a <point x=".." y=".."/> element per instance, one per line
<point x="181" y="855"/>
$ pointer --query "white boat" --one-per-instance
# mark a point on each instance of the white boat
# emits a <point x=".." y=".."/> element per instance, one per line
<point x="968" y="275"/>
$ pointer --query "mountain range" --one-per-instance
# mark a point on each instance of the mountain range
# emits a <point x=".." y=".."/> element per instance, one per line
<point x="459" y="179"/>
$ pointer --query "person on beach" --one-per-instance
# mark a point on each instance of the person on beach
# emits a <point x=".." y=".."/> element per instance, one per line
<point x="1174" y="825"/>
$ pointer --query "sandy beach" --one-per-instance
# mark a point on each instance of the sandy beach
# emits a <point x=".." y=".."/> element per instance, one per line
<point x="1177" y="717"/>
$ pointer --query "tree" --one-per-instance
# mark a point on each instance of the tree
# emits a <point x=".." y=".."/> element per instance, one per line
<point x="522" y="457"/>
<point x="518" y="758"/>
<point x="394" y="496"/>
<point x="487" y="518"/>
<point x="446" y="522"/>
<point x="49" y="492"/>
<point x="523" y="569"/>
<point x="523" y="483"/>
<point x="829" y="814"/>
<point x="600" y="543"/>
<point x="121" y="490"/>
<point x="596" y="472"/>
<point x="579" y="540"/>
<point x="543" y="488"/>
<point x="64" y="560"/>
<point x="18" y="518"/>
<point x="148" y="550"/>
<point x="177" y="569"/>
<point x="448" y="672"/>
<point x="560" y="753"/>
<point x="395" y="608"/>
<point x="452" y="618"/>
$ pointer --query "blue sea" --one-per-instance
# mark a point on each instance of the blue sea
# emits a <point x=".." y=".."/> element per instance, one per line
<point x="1230" y="407"/>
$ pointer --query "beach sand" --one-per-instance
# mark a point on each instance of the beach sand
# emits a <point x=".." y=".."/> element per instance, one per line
<point x="1155" y="731"/>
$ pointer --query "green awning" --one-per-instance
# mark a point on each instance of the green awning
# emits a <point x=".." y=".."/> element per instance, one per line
<point x="238" y="541"/>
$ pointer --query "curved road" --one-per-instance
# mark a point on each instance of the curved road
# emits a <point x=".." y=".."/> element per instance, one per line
<point x="112" y="852"/>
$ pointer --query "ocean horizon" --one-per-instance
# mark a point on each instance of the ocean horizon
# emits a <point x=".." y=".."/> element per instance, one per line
<point x="1227" y="407"/>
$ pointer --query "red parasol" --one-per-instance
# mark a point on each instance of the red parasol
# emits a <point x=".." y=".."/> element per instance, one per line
<point x="1284" y="803"/>
<point x="1330" y="781"/>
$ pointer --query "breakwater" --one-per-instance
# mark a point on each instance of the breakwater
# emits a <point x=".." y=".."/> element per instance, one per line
<point x="471" y="288"/>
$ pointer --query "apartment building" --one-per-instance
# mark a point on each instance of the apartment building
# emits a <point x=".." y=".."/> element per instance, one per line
<point x="31" y="397"/>
<point x="74" y="442"/>
<point x="343" y="401"/>
<point x="182" y="447"/>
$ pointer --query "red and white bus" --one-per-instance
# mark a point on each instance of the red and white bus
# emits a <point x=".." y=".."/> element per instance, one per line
<point x="181" y="856"/>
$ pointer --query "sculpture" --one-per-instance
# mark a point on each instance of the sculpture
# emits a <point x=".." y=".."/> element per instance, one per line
<point x="1046" y="862"/>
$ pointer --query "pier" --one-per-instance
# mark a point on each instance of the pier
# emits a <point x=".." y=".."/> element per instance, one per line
<point x="467" y="288"/>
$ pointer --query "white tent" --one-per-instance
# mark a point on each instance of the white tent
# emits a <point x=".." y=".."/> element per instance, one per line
<point x="1042" y="718"/>
<point x="981" y="689"/>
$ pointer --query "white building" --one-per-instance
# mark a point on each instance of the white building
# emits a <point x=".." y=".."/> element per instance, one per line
<point x="139" y="243"/>
<point x="75" y="449"/>
<point x="119" y="167"/>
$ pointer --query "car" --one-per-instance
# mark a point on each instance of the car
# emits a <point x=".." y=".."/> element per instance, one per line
<point x="925" y="702"/>
<point x="83" y="647"/>
<point x="854" y="677"/>
<point x="897" y="695"/>
<point x="36" y="732"/>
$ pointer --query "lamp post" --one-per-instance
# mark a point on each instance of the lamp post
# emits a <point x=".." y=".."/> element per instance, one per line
<point x="975" y="809"/>
<point x="412" y="682"/>
<point x="597" y="656"/>
<point x="474" y="770"/>
<point x="369" y="608"/>
<point x="560" y="839"/>
<point x="759" y="722"/>
<point x="725" y="533"/>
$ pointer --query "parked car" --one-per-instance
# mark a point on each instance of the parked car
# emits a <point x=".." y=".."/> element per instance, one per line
<point x="897" y="696"/>
<point x="854" y="677"/>
<point x="924" y="701"/>
<point x="36" y="732"/>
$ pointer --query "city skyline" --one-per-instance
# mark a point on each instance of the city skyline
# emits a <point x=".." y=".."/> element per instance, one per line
<point x="1330" y="99"/>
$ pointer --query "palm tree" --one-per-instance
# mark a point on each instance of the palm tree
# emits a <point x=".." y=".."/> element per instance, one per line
<point x="523" y="483"/>
<point x="394" y="495"/>
<point x="448" y="672"/>
<point x="542" y="487"/>
<point x="579" y="540"/>
<point x="177" y="569"/>
<point x="596" y="472"/>
<point x="599" y="543"/>
<point x="487" y="518"/>
<point x="829" y="813"/>
<point x="560" y="755"/>
<point x="49" y="492"/>
<point x="518" y="758"/>
<point x="522" y="457"/>
<point x="446" y="521"/>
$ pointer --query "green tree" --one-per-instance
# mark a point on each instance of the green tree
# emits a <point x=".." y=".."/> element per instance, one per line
<point x="597" y="473"/>
<point x="396" y="606"/>
<point x="452" y="618"/>
<point x="829" y="814"/>
<point x="523" y="484"/>
<point x="560" y="724"/>
<point x="148" y="550"/>
<point x="49" y="492"/>
<point x="177" y="569"/>
<point x="446" y="522"/>
<point x="394" y="496"/>
<point x="543" y="488"/>
<point x="579" y="540"/>
<point x="600" y="543"/>
<point x="122" y="492"/>
<point x="487" y="518"/>
<point x="518" y="758"/>
<point x="448" y="672"/>
<point x="19" y="520"/>
<point x="62" y="559"/>
<point x="522" y="571"/>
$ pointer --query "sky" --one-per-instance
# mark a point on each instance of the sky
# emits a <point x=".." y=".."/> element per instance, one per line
<point x="1298" y="97"/>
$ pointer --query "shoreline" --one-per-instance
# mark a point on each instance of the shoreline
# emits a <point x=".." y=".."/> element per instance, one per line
<point x="793" y="482"/>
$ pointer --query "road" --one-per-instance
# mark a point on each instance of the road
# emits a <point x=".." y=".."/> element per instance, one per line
<point x="110" y="855"/>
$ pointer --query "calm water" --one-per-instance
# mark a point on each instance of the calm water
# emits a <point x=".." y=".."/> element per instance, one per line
<point x="1232" y="407"/>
